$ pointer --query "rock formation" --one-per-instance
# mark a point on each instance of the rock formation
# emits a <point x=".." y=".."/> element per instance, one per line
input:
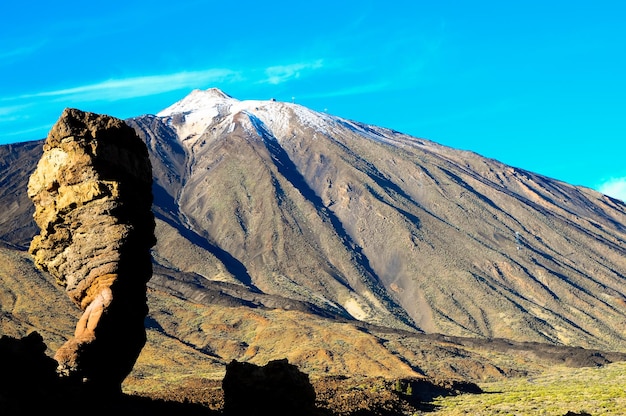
<point x="24" y="364"/>
<point x="92" y="196"/>
<point x="278" y="388"/>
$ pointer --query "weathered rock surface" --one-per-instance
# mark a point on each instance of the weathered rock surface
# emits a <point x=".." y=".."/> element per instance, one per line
<point x="92" y="196"/>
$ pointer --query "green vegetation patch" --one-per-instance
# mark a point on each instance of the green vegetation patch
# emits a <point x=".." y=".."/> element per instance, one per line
<point x="596" y="391"/>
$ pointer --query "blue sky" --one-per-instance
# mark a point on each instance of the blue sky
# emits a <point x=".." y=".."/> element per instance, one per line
<point x="539" y="85"/>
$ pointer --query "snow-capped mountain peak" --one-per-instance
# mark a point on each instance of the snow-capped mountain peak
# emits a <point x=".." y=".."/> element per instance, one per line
<point x="196" y="101"/>
<point x="192" y="115"/>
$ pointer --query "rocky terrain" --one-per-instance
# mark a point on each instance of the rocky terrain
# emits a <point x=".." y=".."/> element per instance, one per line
<point x="363" y="256"/>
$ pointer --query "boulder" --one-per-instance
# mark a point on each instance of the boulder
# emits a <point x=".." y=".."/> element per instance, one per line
<point x="278" y="388"/>
<point x="92" y="195"/>
<point x="25" y="366"/>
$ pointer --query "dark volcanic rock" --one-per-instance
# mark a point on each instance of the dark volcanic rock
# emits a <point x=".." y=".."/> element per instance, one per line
<point x="278" y="388"/>
<point x="27" y="373"/>
<point x="29" y="385"/>
<point x="24" y="364"/>
<point x="92" y="197"/>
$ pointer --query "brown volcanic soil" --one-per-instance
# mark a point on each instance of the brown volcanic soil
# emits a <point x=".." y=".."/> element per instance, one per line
<point x="339" y="396"/>
<point x="353" y="367"/>
<point x="188" y="340"/>
<point x="29" y="385"/>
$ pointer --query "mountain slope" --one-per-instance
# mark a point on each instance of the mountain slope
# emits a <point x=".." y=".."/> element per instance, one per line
<point x="372" y="224"/>
<point x="17" y="162"/>
<point x="192" y="337"/>
<point x="272" y="205"/>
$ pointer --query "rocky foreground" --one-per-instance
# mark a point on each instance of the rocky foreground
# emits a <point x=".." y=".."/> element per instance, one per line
<point x="30" y="385"/>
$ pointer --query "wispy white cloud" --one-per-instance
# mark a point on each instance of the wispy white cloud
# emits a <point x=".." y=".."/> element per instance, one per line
<point x="133" y="87"/>
<point x="283" y="73"/>
<point x="13" y="113"/>
<point x="40" y="131"/>
<point x="11" y="109"/>
<point x="17" y="52"/>
<point x="615" y="187"/>
<point x="142" y="86"/>
<point x="26" y="115"/>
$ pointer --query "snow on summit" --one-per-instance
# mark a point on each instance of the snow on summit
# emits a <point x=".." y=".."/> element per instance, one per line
<point x="196" y="101"/>
<point x="192" y="115"/>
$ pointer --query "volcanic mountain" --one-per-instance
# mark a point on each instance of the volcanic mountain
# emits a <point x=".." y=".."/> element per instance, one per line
<point x="370" y="224"/>
<point x="272" y="206"/>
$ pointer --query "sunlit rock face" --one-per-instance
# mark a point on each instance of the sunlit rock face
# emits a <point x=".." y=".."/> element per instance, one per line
<point x="92" y="196"/>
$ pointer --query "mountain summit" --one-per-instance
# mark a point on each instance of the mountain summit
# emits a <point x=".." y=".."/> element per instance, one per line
<point x="271" y="205"/>
<point x="192" y="115"/>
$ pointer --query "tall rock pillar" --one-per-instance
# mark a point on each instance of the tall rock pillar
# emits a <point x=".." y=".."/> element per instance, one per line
<point x="92" y="196"/>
